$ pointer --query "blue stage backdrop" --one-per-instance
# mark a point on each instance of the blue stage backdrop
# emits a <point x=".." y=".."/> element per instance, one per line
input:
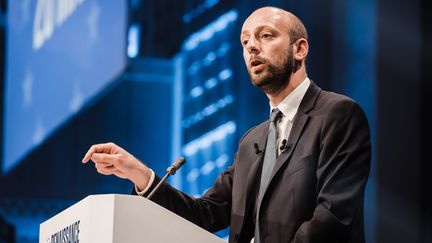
<point x="59" y="55"/>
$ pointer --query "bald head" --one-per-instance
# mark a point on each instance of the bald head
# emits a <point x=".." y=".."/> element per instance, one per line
<point x="275" y="48"/>
<point x="281" y="18"/>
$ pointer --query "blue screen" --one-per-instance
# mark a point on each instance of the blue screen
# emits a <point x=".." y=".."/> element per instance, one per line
<point x="60" y="54"/>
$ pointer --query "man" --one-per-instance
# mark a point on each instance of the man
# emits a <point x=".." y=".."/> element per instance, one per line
<point x="299" y="177"/>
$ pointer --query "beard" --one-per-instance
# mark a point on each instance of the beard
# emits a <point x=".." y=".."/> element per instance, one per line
<point x="276" y="75"/>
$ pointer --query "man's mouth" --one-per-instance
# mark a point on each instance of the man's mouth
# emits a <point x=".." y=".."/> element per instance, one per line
<point x="257" y="65"/>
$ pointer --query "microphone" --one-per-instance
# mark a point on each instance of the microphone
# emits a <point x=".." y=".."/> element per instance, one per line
<point x="257" y="149"/>
<point x="177" y="164"/>
<point x="284" y="145"/>
<point x="170" y="171"/>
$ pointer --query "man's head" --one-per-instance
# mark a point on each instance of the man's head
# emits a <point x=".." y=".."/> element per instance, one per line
<point x="274" y="47"/>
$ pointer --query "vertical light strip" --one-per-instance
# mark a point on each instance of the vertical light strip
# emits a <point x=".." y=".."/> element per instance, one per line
<point x="177" y="132"/>
<point x="133" y="40"/>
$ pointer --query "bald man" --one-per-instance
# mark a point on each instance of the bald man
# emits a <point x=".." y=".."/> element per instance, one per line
<point x="298" y="177"/>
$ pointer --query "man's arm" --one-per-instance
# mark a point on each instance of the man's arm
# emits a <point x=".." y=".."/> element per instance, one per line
<point x="342" y="173"/>
<point x="211" y="212"/>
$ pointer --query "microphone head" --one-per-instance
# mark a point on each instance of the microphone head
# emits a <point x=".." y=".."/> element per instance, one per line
<point x="177" y="164"/>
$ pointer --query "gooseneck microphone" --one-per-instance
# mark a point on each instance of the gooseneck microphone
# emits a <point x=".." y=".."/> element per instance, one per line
<point x="170" y="171"/>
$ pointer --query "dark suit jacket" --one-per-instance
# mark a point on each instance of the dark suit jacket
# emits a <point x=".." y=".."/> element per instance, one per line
<point x="316" y="191"/>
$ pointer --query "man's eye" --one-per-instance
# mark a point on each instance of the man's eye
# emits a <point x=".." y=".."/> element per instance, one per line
<point x="266" y="36"/>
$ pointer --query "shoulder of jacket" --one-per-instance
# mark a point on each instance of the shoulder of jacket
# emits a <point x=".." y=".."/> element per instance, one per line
<point x="335" y="101"/>
<point x="252" y="129"/>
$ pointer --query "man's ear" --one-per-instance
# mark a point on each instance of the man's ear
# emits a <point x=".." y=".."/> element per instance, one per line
<point x="300" y="49"/>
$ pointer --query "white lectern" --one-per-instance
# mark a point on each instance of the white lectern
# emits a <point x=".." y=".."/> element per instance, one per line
<point x="114" y="218"/>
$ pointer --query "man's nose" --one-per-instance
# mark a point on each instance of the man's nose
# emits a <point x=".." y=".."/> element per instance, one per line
<point x="253" y="46"/>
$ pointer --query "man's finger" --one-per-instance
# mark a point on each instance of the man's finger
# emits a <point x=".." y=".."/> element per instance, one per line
<point x="98" y="148"/>
<point x="105" y="168"/>
<point x="88" y="155"/>
<point x="103" y="165"/>
<point x="106" y="171"/>
<point x="104" y="158"/>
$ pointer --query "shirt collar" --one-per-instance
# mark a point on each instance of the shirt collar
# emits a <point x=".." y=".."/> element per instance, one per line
<point x="291" y="103"/>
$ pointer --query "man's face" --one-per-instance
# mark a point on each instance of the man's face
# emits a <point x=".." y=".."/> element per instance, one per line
<point x="266" y="50"/>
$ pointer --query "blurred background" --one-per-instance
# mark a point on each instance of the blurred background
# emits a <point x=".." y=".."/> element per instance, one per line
<point x="166" y="78"/>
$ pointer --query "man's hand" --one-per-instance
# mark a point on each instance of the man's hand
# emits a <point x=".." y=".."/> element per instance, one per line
<point x="110" y="159"/>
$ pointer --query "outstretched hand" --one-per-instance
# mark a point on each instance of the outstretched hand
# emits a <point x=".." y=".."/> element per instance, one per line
<point x="110" y="159"/>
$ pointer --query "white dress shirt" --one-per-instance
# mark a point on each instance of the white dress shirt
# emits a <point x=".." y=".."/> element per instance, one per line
<point x="289" y="107"/>
<point x="152" y="177"/>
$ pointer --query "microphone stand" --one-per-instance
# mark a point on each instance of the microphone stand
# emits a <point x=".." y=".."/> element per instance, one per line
<point x="170" y="171"/>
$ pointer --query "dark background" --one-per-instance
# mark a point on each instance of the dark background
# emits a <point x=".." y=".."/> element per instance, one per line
<point x="376" y="51"/>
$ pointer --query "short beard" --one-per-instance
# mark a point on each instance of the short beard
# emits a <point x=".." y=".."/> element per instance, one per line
<point x="277" y="76"/>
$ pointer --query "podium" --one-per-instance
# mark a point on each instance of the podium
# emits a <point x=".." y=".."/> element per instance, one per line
<point x="114" y="218"/>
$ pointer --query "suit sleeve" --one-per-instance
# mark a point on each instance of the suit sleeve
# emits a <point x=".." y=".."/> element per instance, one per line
<point x="211" y="211"/>
<point x="342" y="172"/>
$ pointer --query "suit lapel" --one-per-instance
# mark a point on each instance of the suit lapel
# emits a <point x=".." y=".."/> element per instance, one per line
<point x="300" y="121"/>
<point x="251" y="179"/>
<point x="255" y="171"/>
<point x="252" y="169"/>
<point x="299" y="125"/>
